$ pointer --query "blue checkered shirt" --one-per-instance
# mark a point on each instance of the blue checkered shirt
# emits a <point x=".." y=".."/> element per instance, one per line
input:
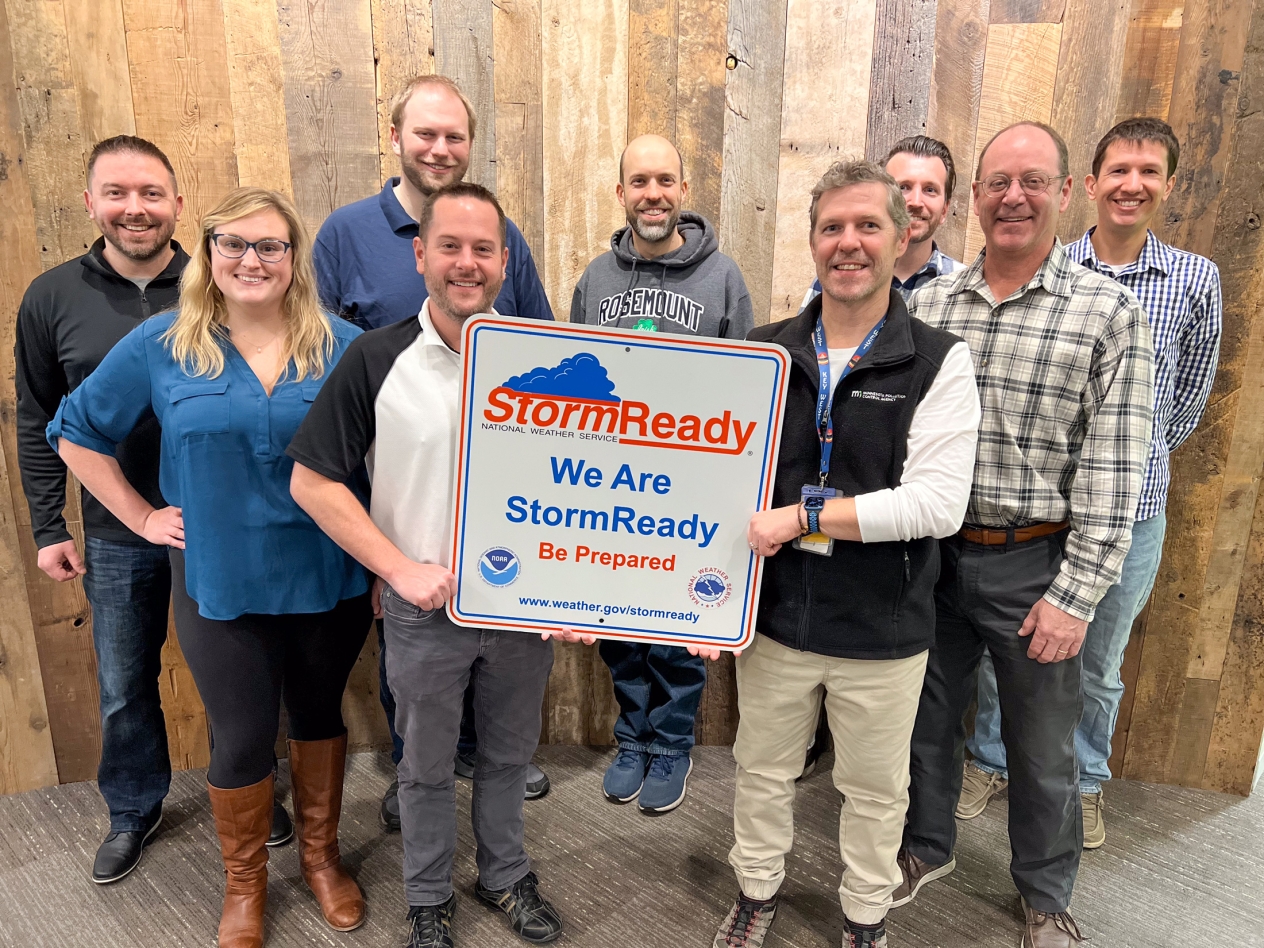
<point x="1180" y="292"/>
<point x="938" y="264"/>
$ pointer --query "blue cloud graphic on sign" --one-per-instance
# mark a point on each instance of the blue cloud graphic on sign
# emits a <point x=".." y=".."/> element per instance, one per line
<point x="580" y="376"/>
<point x="708" y="586"/>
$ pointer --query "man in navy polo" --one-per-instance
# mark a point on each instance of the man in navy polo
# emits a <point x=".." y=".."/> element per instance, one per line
<point x="367" y="272"/>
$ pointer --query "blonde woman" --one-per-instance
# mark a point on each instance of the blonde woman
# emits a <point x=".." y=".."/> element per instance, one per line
<point x="266" y="605"/>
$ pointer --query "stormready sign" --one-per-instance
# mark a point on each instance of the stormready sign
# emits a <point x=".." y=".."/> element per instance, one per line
<point x="606" y="478"/>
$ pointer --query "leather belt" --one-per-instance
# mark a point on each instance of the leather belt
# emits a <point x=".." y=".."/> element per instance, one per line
<point x="994" y="536"/>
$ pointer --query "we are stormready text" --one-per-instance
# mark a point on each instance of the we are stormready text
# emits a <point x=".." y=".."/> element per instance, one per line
<point x="609" y="518"/>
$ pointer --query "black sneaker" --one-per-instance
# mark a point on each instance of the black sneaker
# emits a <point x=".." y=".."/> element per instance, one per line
<point x="282" y="826"/>
<point x="746" y="924"/>
<point x="430" y="926"/>
<point x="465" y="764"/>
<point x="529" y="914"/>
<point x="389" y="814"/>
<point x="120" y="853"/>
<point x="537" y="782"/>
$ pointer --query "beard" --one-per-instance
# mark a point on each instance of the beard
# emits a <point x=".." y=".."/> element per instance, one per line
<point x="138" y="247"/>
<point x="424" y="181"/>
<point x="653" y="233"/>
<point x="852" y="292"/>
<point x="439" y="292"/>
<point x="930" y="226"/>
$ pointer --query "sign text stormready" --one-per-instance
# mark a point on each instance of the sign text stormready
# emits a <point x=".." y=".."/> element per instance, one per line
<point x="606" y="479"/>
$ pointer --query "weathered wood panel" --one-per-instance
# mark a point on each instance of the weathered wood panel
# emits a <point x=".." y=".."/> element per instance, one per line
<point x="903" y="54"/>
<point x="520" y="120"/>
<point x="1027" y="11"/>
<point x="98" y="63"/>
<point x="752" y="132"/>
<point x="1019" y="68"/>
<point x="330" y="103"/>
<point x="403" y="47"/>
<point x="824" y="116"/>
<point x="702" y="49"/>
<point x="1149" y="58"/>
<point x="27" y="758"/>
<point x="953" y="112"/>
<point x="653" y="54"/>
<point x="1084" y="94"/>
<point x="463" y="45"/>
<point x="585" y="71"/>
<point x="257" y="90"/>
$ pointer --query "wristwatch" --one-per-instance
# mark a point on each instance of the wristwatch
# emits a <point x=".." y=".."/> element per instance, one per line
<point x="814" y="506"/>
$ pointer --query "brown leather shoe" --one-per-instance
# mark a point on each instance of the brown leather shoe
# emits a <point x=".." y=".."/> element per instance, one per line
<point x="916" y="874"/>
<point x="316" y="774"/>
<point x="243" y="820"/>
<point x="1046" y="930"/>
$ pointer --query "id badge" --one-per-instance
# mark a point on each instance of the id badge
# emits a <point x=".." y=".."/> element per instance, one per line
<point x="817" y="543"/>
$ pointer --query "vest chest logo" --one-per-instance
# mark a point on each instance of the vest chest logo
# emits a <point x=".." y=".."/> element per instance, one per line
<point x="886" y="397"/>
<point x="652" y="303"/>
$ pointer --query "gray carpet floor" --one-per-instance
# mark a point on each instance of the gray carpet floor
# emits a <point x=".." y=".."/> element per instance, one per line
<point x="1180" y="869"/>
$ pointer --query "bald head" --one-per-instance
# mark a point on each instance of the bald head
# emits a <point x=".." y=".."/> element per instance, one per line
<point x="650" y="153"/>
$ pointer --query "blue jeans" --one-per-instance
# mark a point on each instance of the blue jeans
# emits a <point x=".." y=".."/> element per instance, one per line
<point x="1102" y="656"/>
<point x="128" y="586"/>
<point x="659" y="688"/>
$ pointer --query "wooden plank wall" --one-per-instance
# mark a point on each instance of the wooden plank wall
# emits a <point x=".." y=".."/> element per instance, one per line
<point x="759" y="95"/>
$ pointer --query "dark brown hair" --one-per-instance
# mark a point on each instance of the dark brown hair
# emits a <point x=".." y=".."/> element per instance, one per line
<point x="926" y="147"/>
<point x="459" y="190"/>
<point x="129" y="144"/>
<point x="1140" y="130"/>
<point x="1064" y="160"/>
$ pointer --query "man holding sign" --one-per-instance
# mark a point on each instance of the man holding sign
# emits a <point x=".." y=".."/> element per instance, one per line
<point x="877" y="450"/>
<point x="404" y="381"/>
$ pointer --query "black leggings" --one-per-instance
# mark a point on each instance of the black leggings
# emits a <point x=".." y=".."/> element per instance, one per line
<point x="243" y="667"/>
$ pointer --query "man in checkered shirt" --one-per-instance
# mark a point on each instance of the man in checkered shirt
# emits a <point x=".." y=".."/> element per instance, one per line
<point x="1064" y="365"/>
<point x="1134" y="170"/>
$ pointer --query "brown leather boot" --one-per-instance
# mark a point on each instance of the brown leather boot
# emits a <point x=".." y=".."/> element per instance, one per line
<point x="243" y="819"/>
<point x="316" y="773"/>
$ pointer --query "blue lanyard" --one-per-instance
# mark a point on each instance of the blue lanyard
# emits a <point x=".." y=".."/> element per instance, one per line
<point x="824" y="402"/>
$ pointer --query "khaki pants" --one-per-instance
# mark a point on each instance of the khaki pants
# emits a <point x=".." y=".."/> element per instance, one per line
<point x="871" y="707"/>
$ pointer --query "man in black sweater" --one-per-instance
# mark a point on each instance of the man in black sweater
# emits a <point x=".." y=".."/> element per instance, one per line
<point x="875" y="460"/>
<point x="69" y="319"/>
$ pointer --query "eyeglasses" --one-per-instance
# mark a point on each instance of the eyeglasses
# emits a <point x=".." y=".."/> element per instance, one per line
<point x="1033" y="183"/>
<point x="269" y="250"/>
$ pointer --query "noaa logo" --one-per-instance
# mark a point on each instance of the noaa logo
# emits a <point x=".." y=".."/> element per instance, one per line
<point x="710" y="588"/>
<point x="498" y="566"/>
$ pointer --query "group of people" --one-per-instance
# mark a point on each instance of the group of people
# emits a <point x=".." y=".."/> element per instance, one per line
<point x="972" y="474"/>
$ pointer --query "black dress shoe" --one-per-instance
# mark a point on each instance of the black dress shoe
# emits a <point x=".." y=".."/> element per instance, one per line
<point x="120" y="854"/>
<point x="282" y="828"/>
<point x="389" y="813"/>
<point x="530" y="915"/>
<point x="465" y="764"/>
<point x="430" y="926"/>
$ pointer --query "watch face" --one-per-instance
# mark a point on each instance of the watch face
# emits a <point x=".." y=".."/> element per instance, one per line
<point x="814" y="503"/>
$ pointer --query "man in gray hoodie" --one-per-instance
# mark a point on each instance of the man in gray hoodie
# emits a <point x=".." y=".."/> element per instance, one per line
<point x="664" y="273"/>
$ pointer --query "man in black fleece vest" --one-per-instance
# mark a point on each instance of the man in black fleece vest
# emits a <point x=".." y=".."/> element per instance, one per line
<point x="877" y="449"/>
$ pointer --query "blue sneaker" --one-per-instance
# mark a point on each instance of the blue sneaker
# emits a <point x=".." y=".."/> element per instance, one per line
<point x="664" y="788"/>
<point x="625" y="775"/>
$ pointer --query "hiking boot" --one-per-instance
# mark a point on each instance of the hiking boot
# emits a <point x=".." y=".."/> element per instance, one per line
<point x="856" y="935"/>
<point x="916" y="874"/>
<point x="1094" y="820"/>
<point x="977" y="787"/>
<point x="530" y="915"/>
<point x="430" y="926"/>
<point x="1049" y="930"/>
<point x="746" y="924"/>
<point x="665" y="783"/>
<point x="625" y="775"/>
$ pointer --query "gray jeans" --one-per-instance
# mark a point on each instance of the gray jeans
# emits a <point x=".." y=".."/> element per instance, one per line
<point x="983" y="595"/>
<point x="429" y="662"/>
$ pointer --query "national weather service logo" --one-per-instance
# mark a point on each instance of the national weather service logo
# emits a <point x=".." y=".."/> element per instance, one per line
<point x="710" y="588"/>
<point x="498" y="566"/>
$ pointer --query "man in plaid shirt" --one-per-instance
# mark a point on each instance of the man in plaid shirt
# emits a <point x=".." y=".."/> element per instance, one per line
<point x="1134" y="170"/>
<point x="1064" y="365"/>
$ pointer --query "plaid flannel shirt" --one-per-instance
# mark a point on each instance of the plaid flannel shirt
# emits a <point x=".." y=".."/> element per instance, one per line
<point x="1065" y="368"/>
<point x="1180" y="292"/>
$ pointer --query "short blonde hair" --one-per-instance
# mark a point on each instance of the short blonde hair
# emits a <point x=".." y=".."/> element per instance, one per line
<point x="404" y="95"/>
<point x="199" y="333"/>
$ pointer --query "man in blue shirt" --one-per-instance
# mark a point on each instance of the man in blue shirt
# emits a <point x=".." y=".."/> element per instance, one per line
<point x="923" y="168"/>
<point x="1134" y="170"/>
<point x="367" y="272"/>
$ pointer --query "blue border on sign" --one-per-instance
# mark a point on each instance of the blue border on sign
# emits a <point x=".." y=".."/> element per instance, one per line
<point x="629" y="340"/>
